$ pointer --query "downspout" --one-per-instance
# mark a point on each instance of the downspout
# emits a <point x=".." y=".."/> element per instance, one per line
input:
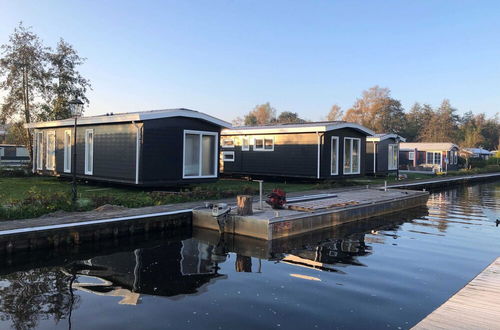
<point x="318" y="173"/>
<point x="374" y="157"/>
<point x="137" y="150"/>
<point x="33" y="158"/>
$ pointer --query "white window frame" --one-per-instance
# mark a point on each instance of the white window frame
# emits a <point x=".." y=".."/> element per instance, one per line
<point x="391" y="157"/>
<point x="411" y="155"/>
<point x="67" y="151"/>
<point x="351" y="162"/>
<point x="39" y="150"/>
<point x="216" y="152"/>
<point x="263" y="138"/>
<point x="89" y="151"/>
<point x="243" y="147"/>
<point x="336" y="138"/>
<point x="225" y="153"/>
<point x="50" y="155"/>
<point x="433" y="160"/>
<point x="224" y="146"/>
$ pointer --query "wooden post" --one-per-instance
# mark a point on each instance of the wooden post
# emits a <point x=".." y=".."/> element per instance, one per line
<point x="244" y="203"/>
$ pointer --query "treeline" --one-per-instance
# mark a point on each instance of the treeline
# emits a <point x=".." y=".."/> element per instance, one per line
<point x="38" y="81"/>
<point x="379" y="111"/>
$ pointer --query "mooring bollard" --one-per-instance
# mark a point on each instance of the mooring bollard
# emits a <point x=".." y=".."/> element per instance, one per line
<point x="261" y="206"/>
<point x="385" y="185"/>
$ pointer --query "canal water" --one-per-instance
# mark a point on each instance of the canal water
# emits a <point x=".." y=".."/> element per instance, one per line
<point x="387" y="272"/>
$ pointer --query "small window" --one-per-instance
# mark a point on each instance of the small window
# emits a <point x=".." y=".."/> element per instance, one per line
<point x="227" y="143"/>
<point x="263" y="144"/>
<point x="51" y="151"/>
<point x="67" y="151"/>
<point x="245" y="143"/>
<point x="89" y="151"/>
<point x="228" y="156"/>
<point x="411" y="155"/>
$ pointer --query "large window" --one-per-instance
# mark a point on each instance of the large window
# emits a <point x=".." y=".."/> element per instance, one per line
<point x="89" y="151"/>
<point x="263" y="144"/>
<point x="39" y="150"/>
<point x="51" y="151"/>
<point x="411" y="155"/>
<point x="67" y="151"/>
<point x="393" y="156"/>
<point x="434" y="158"/>
<point x="200" y="150"/>
<point x="334" y="158"/>
<point x="352" y="153"/>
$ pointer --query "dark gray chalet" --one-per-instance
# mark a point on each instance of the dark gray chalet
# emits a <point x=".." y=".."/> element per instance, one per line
<point x="150" y="148"/>
<point x="320" y="150"/>
<point x="382" y="153"/>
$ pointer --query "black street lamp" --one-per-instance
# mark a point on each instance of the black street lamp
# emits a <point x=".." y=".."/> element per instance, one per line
<point x="76" y="109"/>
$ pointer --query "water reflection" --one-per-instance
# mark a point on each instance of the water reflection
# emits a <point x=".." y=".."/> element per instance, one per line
<point x="186" y="268"/>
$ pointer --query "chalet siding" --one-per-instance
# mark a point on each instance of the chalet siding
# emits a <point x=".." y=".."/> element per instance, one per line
<point x="114" y="151"/>
<point x="162" y="152"/>
<point x="294" y="154"/>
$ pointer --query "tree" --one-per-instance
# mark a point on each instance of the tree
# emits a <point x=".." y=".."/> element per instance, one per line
<point x="66" y="82"/>
<point x="443" y="127"/>
<point x="377" y="110"/>
<point x="260" y="115"/>
<point x="288" y="117"/>
<point x="335" y="113"/>
<point x="16" y="134"/>
<point x="26" y="297"/>
<point x="24" y="77"/>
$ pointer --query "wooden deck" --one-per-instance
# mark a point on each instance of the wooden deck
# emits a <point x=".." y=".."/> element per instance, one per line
<point x="476" y="306"/>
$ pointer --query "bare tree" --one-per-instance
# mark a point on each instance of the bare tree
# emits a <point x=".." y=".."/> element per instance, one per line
<point x="335" y="114"/>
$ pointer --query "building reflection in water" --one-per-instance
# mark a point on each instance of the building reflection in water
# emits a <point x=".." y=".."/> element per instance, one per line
<point x="173" y="269"/>
<point x="187" y="267"/>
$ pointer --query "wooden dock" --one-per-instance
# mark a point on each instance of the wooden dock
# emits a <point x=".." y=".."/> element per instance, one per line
<point x="476" y="306"/>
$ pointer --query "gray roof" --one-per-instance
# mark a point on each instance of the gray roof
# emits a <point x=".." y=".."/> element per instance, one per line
<point x="321" y="126"/>
<point x="479" y="151"/>
<point x="132" y="117"/>
<point x="428" y="146"/>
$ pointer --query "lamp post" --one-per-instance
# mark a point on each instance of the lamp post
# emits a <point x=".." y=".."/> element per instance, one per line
<point x="76" y="109"/>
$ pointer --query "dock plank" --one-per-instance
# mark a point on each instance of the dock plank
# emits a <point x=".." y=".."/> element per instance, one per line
<point x="476" y="306"/>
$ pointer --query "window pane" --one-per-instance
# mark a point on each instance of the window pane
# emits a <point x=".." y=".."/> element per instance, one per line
<point x="355" y="155"/>
<point x="334" y="161"/>
<point x="269" y="144"/>
<point x="347" y="155"/>
<point x="192" y="155"/>
<point x="259" y="143"/>
<point x="244" y="143"/>
<point x="89" y="151"/>
<point x="208" y="155"/>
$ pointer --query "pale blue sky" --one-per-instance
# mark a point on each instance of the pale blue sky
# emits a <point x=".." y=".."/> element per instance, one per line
<point x="224" y="57"/>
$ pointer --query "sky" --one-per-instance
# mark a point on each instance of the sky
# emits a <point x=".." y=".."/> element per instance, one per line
<point x="225" y="57"/>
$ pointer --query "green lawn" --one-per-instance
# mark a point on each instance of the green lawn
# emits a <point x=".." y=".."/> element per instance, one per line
<point x="32" y="196"/>
<point x="19" y="187"/>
